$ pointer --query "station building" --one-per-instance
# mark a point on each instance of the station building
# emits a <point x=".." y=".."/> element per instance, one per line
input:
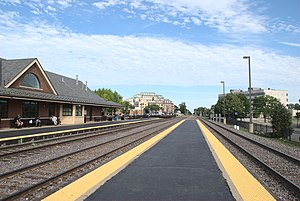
<point x="27" y="89"/>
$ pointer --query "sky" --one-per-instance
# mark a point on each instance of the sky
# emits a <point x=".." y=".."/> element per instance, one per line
<point x="180" y="49"/>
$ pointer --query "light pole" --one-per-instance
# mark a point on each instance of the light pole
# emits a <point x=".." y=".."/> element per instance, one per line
<point x="224" y="119"/>
<point x="297" y="116"/>
<point x="250" y="100"/>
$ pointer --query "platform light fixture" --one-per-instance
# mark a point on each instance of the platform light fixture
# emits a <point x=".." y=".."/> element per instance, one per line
<point x="224" y="119"/>
<point x="250" y="100"/>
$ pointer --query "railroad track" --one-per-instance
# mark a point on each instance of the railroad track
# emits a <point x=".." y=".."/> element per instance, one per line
<point x="40" y="179"/>
<point x="284" y="167"/>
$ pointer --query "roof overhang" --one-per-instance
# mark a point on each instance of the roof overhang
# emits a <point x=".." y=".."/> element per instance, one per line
<point x="58" y="101"/>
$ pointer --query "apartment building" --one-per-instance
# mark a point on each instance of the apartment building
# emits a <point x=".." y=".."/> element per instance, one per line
<point x="142" y="100"/>
<point x="281" y="95"/>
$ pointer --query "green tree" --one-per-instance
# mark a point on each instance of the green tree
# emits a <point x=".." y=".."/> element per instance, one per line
<point x="281" y="121"/>
<point x="153" y="108"/>
<point x="176" y="109"/>
<point x="264" y="105"/>
<point x="291" y="106"/>
<point x="109" y="95"/>
<point x="127" y="107"/>
<point x="202" y="111"/>
<point x="234" y="105"/>
<point x="182" y="108"/>
<point x="246" y="105"/>
<point x="297" y="106"/>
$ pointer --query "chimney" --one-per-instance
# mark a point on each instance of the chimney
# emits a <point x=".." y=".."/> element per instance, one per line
<point x="77" y="79"/>
<point x="85" y="85"/>
<point x="0" y="72"/>
<point x="62" y="79"/>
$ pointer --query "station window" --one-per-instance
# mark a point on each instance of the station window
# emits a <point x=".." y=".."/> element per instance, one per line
<point x="3" y="108"/>
<point x="51" y="109"/>
<point x="31" y="80"/>
<point x="30" y="109"/>
<point x="67" y="110"/>
<point x="78" y="110"/>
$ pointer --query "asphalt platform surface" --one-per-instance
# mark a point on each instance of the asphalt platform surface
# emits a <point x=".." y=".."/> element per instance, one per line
<point x="179" y="167"/>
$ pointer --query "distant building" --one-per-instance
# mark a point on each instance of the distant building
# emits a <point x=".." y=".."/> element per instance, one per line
<point x="142" y="100"/>
<point x="281" y="95"/>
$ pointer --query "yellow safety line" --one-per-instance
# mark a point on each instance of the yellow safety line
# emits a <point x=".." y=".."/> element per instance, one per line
<point x="244" y="183"/>
<point x="86" y="185"/>
<point x="71" y="130"/>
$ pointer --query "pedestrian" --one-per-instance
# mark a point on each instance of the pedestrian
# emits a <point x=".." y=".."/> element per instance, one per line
<point x="18" y="121"/>
<point x="38" y="122"/>
<point x="54" y="119"/>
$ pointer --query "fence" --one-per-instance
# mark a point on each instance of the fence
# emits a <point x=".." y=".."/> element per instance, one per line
<point x="260" y="128"/>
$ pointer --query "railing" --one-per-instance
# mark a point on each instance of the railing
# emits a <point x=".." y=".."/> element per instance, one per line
<point x="260" y="128"/>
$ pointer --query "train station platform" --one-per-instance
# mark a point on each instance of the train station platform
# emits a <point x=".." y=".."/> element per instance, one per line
<point x="177" y="164"/>
<point x="180" y="167"/>
<point x="13" y="132"/>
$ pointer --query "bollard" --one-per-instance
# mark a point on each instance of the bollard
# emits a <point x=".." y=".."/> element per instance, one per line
<point x="238" y="127"/>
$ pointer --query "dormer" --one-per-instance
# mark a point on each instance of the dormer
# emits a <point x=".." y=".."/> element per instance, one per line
<point x="26" y="74"/>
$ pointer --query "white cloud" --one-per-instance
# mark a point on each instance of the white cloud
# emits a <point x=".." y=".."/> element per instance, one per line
<point x="196" y="20"/>
<point x="291" y="44"/>
<point x="108" y="59"/>
<point x="65" y="3"/>
<point x="104" y="4"/>
<point x="225" y="15"/>
<point x="7" y="19"/>
<point x="6" y="2"/>
<point x="284" y="27"/>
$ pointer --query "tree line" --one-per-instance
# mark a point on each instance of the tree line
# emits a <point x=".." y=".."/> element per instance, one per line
<point x="267" y="107"/>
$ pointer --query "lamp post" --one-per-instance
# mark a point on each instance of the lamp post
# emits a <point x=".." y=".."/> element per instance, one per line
<point x="224" y="119"/>
<point x="297" y="116"/>
<point x="250" y="101"/>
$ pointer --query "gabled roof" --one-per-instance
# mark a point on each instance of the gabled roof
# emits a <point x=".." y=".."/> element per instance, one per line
<point x="66" y="88"/>
<point x="11" y="68"/>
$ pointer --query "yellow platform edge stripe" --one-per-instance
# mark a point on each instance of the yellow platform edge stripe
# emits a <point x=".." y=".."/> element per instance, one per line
<point x="89" y="183"/>
<point x="242" y="184"/>
<point x="70" y="130"/>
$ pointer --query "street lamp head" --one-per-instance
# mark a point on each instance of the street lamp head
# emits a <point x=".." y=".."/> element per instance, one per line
<point x="222" y="82"/>
<point x="246" y="57"/>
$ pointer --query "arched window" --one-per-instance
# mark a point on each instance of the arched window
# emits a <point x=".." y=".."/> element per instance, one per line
<point x="31" y="80"/>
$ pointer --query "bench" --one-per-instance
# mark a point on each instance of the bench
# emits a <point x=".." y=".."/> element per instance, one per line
<point x="30" y="122"/>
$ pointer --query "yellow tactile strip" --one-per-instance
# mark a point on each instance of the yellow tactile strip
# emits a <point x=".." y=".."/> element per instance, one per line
<point x="247" y="187"/>
<point x="86" y="185"/>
